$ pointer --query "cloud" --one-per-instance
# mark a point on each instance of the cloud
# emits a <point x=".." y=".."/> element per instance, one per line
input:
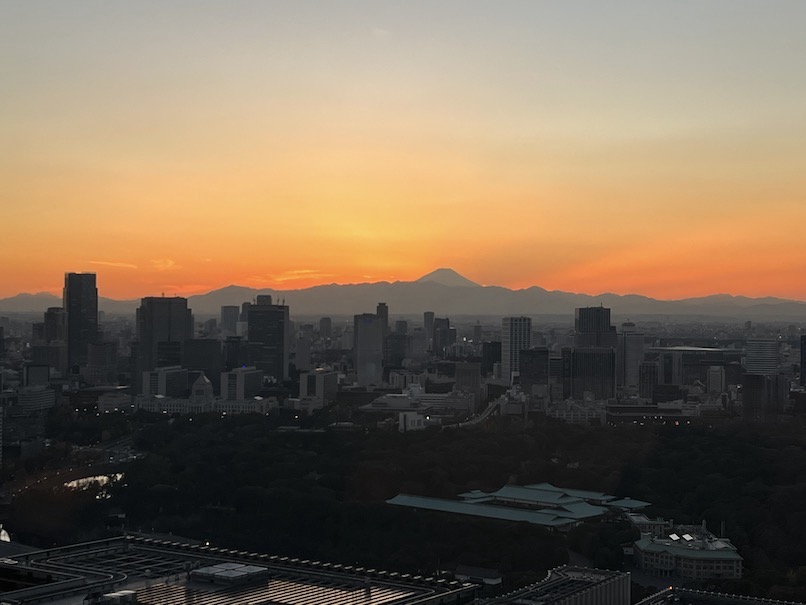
<point x="109" y="263"/>
<point x="379" y="32"/>
<point x="288" y="276"/>
<point x="165" y="264"/>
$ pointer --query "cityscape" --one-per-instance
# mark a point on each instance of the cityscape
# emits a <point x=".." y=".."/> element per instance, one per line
<point x="575" y="425"/>
<point x="370" y="302"/>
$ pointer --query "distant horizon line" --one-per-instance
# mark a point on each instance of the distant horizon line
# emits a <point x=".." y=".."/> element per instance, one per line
<point x="55" y="291"/>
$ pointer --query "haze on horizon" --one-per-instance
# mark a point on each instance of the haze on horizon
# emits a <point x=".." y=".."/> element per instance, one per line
<point x="630" y="147"/>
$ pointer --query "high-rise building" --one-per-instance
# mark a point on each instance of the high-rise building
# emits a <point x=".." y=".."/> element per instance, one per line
<point x="490" y="355"/>
<point x="401" y="326"/>
<point x="395" y="349"/>
<point x="630" y="354"/>
<point x="533" y="368"/>
<point x="593" y="370"/>
<point x="516" y="336"/>
<point x="592" y="328"/>
<point x="229" y="319"/>
<point x="382" y="311"/>
<point x="205" y="355"/>
<point x="325" y="328"/>
<point x="163" y="326"/>
<point x="368" y="349"/>
<point x="270" y="329"/>
<point x="762" y="357"/>
<point x="803" y="360"/>
<point x="55" y="324"/>
<point x="80" y="303"/>
<point x="428" y="326"/>
<point x="442" y="337"/>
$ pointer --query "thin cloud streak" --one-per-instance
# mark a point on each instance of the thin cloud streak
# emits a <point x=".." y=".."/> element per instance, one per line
<point x="109" y="263"/>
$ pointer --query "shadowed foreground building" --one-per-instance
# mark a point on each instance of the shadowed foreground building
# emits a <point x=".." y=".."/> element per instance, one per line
<point x="573" y="586"/>
<point x="153" y="572"/>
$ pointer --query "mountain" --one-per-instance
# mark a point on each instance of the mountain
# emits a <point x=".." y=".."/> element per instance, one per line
<point x="449" y="294"/>
<point x="447" y="277"/>
<point x="29" y="303"/>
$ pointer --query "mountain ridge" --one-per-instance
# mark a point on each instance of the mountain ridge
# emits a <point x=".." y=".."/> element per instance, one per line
<point x="459" y="296"/>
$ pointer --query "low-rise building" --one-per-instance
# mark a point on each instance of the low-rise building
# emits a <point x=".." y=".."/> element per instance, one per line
<point x="688" y="552"/>
<point x="568" y="585"/>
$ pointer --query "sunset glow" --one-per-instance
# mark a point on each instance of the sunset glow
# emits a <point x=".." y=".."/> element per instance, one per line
<point x="180" y="147"/>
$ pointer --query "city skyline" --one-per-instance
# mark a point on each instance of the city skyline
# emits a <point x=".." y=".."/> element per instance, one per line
<point x="626" y="148"/>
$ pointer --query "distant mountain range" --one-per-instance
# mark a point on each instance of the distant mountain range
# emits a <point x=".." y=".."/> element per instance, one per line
<point x="448" y="293"/>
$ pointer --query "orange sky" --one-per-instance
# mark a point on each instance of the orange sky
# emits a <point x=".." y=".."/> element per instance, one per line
<point x="185" y="147"/>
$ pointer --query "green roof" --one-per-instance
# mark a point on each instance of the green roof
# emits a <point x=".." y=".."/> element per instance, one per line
<point x="480" y="510"/>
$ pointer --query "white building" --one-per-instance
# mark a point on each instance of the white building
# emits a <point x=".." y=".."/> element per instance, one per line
<point x="241" y="383"/>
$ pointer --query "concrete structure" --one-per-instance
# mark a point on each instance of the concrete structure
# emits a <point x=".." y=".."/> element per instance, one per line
<point x="516" y="336"/>
<point x="163" y="326"/>
<point x="269" y="337"/>
<point x="688" y="552"/>
<point x="168" y="381"/>
<point x="80" y="303"/>
<point x="762" y="357"/>
<point x="320" y="384"/>
<point x="368" y="349"/>
<point x="568" y="585"/>
<point x="241" y="383"/>
<point x="148" y="571"/>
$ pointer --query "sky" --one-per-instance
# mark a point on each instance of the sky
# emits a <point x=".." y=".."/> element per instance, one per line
<point x="652" y="147"/>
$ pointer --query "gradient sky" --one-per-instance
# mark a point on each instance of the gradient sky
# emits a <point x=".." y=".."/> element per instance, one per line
<point x="626" y="146"/>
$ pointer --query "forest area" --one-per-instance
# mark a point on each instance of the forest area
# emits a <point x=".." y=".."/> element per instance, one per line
<point x="238" y="483"/>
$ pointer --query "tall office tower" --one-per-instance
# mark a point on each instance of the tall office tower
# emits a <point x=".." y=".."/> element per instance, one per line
<point x="270" y="329"/>
<point x="533" y="369"/>
<point x="80" y="303"/>
<point x="648" y="372"/>
<point x="441" y="338"/>
<point x="477" y="333"/>
<point x="229" y="319"/>
<point x="428" y="326"/>
<point x="163" y="326"/>
<point x="102" y="363"/>
<point x="205" y="355"/>
<point x="593" y="370"/>
<point x="418" y="345"/>
<point x="802" y="360"/>
<point x="762" y="357"/>
<point x="401" y="326"/>
<point x="490" y="355"/>
<point x="395" y="349"/>
<point x="516" y="336"/>
<point x="592" y="328"/>
<point x="382" y="311"/>
<point x="368" y="349"/>
<point x="55" y="324"/>
<point x="630" y="354"/>
<point x="325" y="328"/>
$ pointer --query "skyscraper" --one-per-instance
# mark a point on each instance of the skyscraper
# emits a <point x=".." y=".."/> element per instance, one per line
<point x="229" y="319"/>
<point x="592" y="328"/>
<point x="80" y="303"/>
<point x="516" y="336"/>
<point x="270" y="329"/>
<point x="163" y="326"/>
<point x="382" y="311"/>
<point x="368" y="349"/>
<point x="762" y="357"/>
